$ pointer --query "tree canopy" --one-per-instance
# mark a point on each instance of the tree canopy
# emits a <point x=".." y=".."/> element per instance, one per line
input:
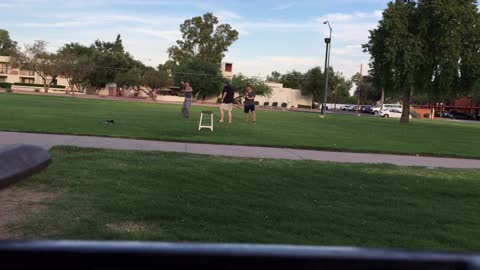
<point x="7" y="45"/>
<point x="203" y="38"/>
<point x="204" y="77"/>
<point x="428" y="48"/>
<point x="240" y="83"/>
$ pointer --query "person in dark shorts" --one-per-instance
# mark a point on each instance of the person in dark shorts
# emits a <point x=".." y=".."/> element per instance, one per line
<point x="227" y="102"/>
<point x="187" y="103"/>
<point x="249" y="104"/>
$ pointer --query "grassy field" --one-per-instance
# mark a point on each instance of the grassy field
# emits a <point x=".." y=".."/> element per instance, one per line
<point x="279" y="129"/>
<point x="107" y="194"/>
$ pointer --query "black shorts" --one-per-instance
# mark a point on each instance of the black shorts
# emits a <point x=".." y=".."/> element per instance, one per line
<point x="249" y="108"/>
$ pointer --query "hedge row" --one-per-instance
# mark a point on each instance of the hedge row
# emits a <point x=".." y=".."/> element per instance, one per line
<point x="39" y="85"/>
<point x="5" y="85"/>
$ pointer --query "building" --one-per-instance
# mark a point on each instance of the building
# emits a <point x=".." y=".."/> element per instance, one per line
<point x="15" y="75"/>
<point x="280" y="95"/>
<point x="227" y="70"/>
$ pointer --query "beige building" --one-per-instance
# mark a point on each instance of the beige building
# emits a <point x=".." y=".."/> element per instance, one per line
<point x="15" y="75"/>
<point x="227" y="70"/>
<point x="292" y="97"/>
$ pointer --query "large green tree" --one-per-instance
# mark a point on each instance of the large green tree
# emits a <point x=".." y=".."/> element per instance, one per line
<point x="396" y="49"/>
<point x="240" y="83"/>
<point x="430" y="49"/>
<point x="110" y="59"/>
<point x="203" y="38"/>
<point x="451" y="33"/>
<point x="204" y="77"/>
<point x="292" y="79"/>
<point x="7" y="45"/>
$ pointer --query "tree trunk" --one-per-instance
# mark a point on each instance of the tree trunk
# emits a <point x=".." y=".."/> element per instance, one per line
<point x="45" y="85"/>
<point x="405" y="119"/>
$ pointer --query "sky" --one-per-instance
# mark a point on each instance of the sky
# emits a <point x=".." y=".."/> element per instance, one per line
<point x="274" y="35"/>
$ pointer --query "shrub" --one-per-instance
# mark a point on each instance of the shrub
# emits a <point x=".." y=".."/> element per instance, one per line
<point x="284" y="105"/>
<point x="415" y="114"/>
<point x="304" y="106"/>
<point x="266" y="103"/>
<point x="5" y="85"/>
<point x="36" y="90"/>
<point x="39" y="85"/>
<point x="427" y="115"/>
<point x="275" y="104"/>
<point x="257" y="103"/>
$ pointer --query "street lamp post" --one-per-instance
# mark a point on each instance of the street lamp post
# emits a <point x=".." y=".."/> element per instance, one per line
<point x="328" y="42"/>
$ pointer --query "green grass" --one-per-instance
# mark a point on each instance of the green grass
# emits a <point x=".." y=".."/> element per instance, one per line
<point x="278" y="129"/>
<point x="182" y="197"/>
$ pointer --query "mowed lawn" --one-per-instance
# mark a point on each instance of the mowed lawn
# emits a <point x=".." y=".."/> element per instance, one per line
<point x="66" y="115"/>
<point x="108" y="194"/>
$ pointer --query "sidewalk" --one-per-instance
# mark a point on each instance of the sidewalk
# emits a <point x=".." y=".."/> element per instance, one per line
<point x="48" y="141"/>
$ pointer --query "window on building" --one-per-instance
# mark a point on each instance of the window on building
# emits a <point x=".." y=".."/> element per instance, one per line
<point x="3" y="68"/>
<point x="27" y="72"/>
<point x="228" y="67"/>
<point x="28" y="80"/>
<point x="3" y="79"/>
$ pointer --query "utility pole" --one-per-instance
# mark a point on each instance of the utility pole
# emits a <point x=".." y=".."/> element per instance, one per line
<point x="383" y="97"/>
<point x="359" y="93"/>
<point x="327" y="65"/>
<point x="335" y="100"/>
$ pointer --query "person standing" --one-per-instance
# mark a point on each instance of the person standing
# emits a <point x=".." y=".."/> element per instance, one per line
<point x="187" y="103"/>
<point x="249" y="104"/>
<point x="227" y="102"/>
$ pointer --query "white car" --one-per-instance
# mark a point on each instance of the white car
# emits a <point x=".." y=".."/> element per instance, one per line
<point x="394" y="113"/>
<point x="376" y="109"/>
<point x="348" y="108"/>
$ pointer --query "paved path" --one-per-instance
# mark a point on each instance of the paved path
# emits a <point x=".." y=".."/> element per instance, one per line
<point x="48" y="141"/>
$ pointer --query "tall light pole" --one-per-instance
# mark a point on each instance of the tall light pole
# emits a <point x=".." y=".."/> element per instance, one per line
<point x="328" y="42"/>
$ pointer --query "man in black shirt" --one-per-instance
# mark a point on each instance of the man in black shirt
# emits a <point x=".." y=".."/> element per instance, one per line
<point x="227" y="102"/>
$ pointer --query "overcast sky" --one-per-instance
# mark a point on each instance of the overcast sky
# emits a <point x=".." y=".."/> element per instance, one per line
<point x="274" y="34"/>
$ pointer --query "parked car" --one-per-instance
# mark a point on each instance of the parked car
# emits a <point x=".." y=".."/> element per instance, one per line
<point x="366" y="108"/>
<point x="377" y="108"/>
<point x="394" y="113"/>
<point x="456" y="115"/>
<point x="348" y="108"/>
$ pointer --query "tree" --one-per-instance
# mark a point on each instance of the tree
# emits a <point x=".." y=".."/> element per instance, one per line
<point x="75" y="69"/>
<point x="110" y="59"/>
<point x="240" y="82"/>
<point x="274" y="77"/>
<point x="426" y="48"/>
<point x="452" y="44"/>
<point x="292" y="79"/>
<point x="339" y="87"/>
<point x="168" y="66"/>
<point x="396" y="49"/>
<point x="35" y="57"/>
<point x="203" y="38"/>
<point x="365" y="89"/>
<point x="147" y="81"/>
<point x="313" y="84"/>
<point x="7" y="45"/>
<point x="205" y="77"/>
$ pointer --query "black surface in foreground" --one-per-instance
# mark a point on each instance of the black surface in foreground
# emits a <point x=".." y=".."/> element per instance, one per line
<point x="20" y="161"/>
<point x="149" y="255"/>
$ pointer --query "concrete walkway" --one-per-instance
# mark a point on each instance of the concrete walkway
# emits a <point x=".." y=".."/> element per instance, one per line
<point x="48" y="141"/>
